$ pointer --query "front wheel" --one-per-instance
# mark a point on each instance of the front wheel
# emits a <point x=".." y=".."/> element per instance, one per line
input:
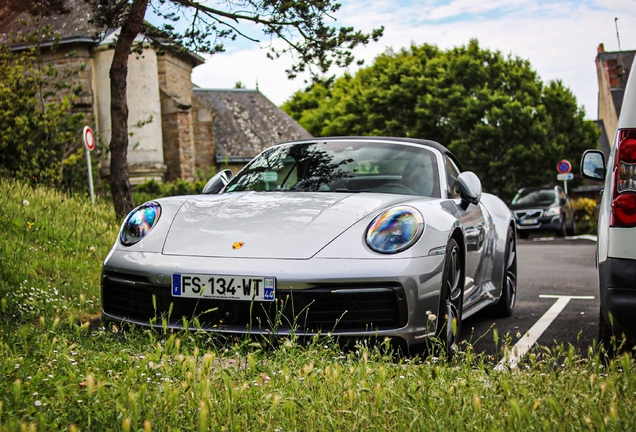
<point x="561" y="231"/>
<point x="572" y="228"/>
<point x="451" y="303"/>
<point x="506" y="303"/>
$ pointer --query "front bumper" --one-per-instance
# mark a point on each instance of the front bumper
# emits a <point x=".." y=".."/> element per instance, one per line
<point x="617" y="278"/>
<point x="345" y="297"/>
<point x="545" y="223"/>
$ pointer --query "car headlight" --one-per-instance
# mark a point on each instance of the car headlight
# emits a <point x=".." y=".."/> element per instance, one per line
<point x="395" y="230"/>
<point x="553" y="211"/>
<point x="139" y="222"/>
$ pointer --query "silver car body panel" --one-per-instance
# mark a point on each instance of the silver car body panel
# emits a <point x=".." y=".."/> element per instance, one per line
<point x="305" y="240"/>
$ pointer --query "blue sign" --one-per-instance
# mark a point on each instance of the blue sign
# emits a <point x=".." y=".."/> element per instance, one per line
<point x="176" y="284"/>
<point x="564" y="166"/>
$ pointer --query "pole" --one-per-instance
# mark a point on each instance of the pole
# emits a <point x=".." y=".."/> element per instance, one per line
<point x="90" y="175"/>
<point x="565" y="186"/>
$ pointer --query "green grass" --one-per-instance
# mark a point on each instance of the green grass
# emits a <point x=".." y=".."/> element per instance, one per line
<point x="57" y="372"/>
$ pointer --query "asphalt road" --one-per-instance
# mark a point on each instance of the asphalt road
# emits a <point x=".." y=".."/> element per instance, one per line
<point x="556" y="267"/>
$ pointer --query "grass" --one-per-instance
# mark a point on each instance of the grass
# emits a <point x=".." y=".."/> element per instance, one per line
<point x="59" y="373"/>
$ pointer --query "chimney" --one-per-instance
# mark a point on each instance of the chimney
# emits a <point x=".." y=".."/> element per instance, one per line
<point x="601" y="48"/>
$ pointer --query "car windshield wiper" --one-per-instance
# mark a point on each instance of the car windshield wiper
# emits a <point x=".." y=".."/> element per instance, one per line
<point x="347" y="190"/>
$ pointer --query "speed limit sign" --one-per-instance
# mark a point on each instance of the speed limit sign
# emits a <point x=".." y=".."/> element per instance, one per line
<point x="89" y="138"/>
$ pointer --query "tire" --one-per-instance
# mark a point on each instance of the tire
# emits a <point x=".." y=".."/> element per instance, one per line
<point x="572" y="229"/>
<point x="451" y="302"/>
<point x="506" y="304"/>
<point x="523" y="234"/>
<point x="561" y="231"/>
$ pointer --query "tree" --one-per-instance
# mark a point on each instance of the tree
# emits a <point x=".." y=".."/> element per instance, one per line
<point x="38" y="132"/>
<point x="492" y="111"/>
<point x="299" y="23"/>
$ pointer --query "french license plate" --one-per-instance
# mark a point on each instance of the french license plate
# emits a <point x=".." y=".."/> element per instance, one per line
<point x="533" y="221"/>
<point x="223" y="287"/>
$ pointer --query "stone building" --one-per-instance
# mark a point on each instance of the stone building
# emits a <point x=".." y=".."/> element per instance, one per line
<point x="176" y="130"/>
<point x="612" y="70"/>
<point x="245" y="122"/>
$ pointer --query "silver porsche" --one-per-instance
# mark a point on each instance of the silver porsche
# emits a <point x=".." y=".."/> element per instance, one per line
<point x="350" y="236"/>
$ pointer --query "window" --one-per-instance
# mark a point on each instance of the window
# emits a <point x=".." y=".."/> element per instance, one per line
<point x="452" y="173"/>
<point x="347" y="166"/>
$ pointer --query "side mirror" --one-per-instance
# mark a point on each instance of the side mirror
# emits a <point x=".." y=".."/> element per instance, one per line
<point x="593" y="165"/>
<point x="217" y="182"/>
<point x="469" y="188"/>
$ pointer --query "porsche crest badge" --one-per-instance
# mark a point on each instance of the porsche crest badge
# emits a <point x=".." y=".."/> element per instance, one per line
<point x="237" y="245"/>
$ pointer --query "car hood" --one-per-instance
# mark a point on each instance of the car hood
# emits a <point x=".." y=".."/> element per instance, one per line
<point x="267" y="224"/>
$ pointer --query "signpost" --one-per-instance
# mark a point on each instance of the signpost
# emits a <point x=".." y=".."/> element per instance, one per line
<point x="564" y="167"/>
<point x="89" y="143"/>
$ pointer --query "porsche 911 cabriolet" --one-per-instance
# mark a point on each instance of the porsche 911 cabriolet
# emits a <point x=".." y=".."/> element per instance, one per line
<point x="359" y="237"/>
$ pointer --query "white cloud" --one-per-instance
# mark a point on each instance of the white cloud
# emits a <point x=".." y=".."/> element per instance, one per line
<point x="559" y="38"/>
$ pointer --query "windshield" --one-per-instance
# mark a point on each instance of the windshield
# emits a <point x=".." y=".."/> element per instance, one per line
<point x="342" y="167"/>
<point x="541" y="197"/>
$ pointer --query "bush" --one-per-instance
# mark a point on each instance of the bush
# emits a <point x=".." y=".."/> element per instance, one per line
<point x="152" y="189"/>
<point x="586" y="215"/>
<point x="39" y="135"/>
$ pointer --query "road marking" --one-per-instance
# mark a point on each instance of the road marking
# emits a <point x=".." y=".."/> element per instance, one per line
<point x="523" y="345"/>
<point x="579" y="237"/>
<point x="570" y="297"/>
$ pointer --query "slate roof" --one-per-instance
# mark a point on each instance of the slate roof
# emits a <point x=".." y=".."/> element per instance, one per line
<point x="246" y="122"/>
<point x="72" y="27"/>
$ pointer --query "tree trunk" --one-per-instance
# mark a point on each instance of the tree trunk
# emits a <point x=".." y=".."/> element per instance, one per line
<point x="119" y="179"/>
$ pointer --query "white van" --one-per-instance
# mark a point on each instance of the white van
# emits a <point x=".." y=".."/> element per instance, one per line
<point x="616" y="247"/>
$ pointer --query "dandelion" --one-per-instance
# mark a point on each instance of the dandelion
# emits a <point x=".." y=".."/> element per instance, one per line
<point x="25" y="203"/>
<point x="37" y="403"/>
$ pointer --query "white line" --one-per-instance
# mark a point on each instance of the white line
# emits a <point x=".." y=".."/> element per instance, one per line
<point x="511" y="359"/>
<point x="586" y="237"/>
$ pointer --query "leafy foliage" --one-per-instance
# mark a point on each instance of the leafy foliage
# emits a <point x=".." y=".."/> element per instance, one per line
<point x="301" y="24"/>
<point x="39" y="136"/>
<point x="493" y="112"/>
<point x="152" y="189"/>
<point x="586" y="214"/>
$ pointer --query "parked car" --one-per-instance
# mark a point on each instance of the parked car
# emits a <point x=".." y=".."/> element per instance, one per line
<point x="545" y="208"/>
<point x="616" y="244"/>
<point x="359" y="237"/>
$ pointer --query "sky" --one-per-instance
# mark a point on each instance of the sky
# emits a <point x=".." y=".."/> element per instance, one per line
<point x="559" y="37"/>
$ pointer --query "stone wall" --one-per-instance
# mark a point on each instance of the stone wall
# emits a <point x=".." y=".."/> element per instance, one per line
<point x="145" y="150"/>
<point x="74" y="69"/>
<point x="175" y="81"/>
<point x="204" y="147"/>
<point x="606" y="109"/>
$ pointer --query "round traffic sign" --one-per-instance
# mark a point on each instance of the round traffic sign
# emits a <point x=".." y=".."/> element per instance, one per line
<point x="89" y="138"/>
<point x="564" y="166"/>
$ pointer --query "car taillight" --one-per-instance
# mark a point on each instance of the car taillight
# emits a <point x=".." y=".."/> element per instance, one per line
<point x="624" y="196"/>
